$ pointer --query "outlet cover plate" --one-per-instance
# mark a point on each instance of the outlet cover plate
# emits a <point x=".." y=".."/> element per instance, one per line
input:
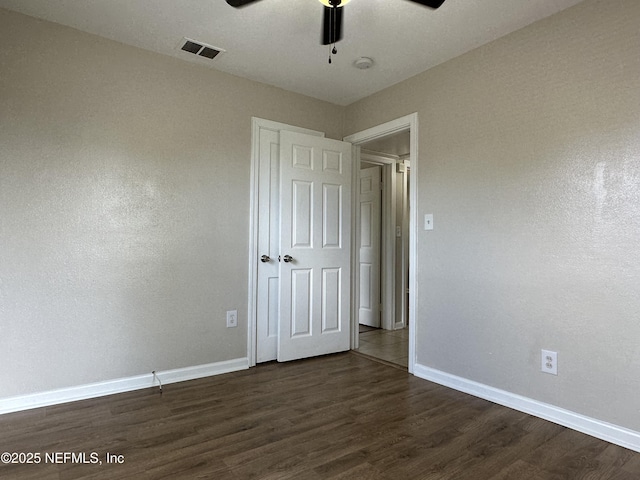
<point x="232" y="318"/>
<point x="549" y="362"/>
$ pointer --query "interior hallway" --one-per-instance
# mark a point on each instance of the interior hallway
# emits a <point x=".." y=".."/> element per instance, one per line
<point x="388" y="345"/>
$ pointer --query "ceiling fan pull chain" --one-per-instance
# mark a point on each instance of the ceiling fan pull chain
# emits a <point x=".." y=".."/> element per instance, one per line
<point x="333" y="51"/>
<point x="331" y="33"/>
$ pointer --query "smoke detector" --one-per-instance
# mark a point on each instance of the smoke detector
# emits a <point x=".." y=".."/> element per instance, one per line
<point x="363" y="63"/>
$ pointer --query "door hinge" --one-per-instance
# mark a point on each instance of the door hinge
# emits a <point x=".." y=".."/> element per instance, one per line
<point x="381" y="185"/>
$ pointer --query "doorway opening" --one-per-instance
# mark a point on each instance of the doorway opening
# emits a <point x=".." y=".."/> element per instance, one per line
<point x="391" y="148"/>
<point x="384" y="249"/>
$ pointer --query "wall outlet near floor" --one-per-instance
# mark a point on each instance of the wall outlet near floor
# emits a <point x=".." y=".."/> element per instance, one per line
<point x="232" y="318"/>
<point x="549" y="362"/>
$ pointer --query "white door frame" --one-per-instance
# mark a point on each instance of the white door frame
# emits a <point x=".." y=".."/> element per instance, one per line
<point x="409" y="122"/>
<point x="395" y="126"/>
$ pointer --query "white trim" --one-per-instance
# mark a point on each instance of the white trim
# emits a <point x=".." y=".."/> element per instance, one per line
<point x="389" y="128"/>
<point x="355" y="254"/>
<point x="120" y="385"/>
<point x="395" y="126"/>
<point x="378" y="158"/>
<point x="404" y="249"/>
<point x="256" y="125"/>
<point x="591" y="426"/>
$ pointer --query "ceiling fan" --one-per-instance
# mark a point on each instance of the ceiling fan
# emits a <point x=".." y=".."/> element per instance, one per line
<point x="332" y="20"/>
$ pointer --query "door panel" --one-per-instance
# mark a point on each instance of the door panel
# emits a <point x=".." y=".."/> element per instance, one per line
<point x="302" y="214"/>
<point x="366" y="284"/>
<point x="268" y="288"/>
<point x="370" y="210"/>
<point x="273" y="311"/>
<point x="315" y="225"/>
<point x="301" y="298"/>
<point x="268" y="240"/>
<point x="331" y="218"/>
<point x="331" y="315"/>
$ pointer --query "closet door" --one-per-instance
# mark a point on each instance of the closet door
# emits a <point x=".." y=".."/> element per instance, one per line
<point x="268" y="238"/>
<point x="315" y="246"/>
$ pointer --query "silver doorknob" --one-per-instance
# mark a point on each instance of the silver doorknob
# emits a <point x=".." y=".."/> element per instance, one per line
<point x="288" y="258"/>
<point x="264" y="258"/>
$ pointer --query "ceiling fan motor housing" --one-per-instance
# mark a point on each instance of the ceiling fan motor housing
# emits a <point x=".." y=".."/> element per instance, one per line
<point x="334" y="3"/>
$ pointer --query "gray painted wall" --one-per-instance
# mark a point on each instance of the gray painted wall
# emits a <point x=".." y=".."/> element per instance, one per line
<point x="124" y="203"/>
<point x="529" y="159"/>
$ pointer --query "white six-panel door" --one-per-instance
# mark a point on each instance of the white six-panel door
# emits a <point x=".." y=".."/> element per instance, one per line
<point x="315" y="233"/>
<point x="268" y="238"/>
<point x="369" y="261"/>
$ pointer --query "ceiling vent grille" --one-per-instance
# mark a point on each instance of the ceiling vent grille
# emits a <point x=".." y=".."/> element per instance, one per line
<point x="199" y="48"/>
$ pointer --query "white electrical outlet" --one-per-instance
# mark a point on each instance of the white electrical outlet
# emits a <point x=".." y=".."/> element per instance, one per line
<point x="549" y="362"/>
<point x="232" y="318"/>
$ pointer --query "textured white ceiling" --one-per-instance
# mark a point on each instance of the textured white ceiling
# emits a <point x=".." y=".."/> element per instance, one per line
<point x="278" y="41"/>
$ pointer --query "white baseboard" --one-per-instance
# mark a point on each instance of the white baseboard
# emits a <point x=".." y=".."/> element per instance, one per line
<point x="596" y="428"/>
<point x="120" y="385"/>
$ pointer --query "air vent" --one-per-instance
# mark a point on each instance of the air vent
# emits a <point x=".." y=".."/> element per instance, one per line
<point x="199" y="48"/>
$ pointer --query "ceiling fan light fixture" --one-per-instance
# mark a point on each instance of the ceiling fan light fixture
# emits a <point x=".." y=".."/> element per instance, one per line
<point x="336" y="3"/>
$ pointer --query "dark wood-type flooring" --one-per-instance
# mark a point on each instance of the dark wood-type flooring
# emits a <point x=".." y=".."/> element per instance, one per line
<point x="342" y="416"/>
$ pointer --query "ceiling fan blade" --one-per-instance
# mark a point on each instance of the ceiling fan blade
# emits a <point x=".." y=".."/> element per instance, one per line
<point x="331" y="25"/>
<point x="429" y="3"/>
<point x="240" y="3"/>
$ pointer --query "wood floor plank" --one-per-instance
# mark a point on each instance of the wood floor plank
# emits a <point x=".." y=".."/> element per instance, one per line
<point x="520" y="469"/>
<point x="336" y="417"/>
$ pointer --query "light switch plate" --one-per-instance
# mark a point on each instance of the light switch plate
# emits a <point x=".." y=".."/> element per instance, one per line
<point x="428" y="221"/>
